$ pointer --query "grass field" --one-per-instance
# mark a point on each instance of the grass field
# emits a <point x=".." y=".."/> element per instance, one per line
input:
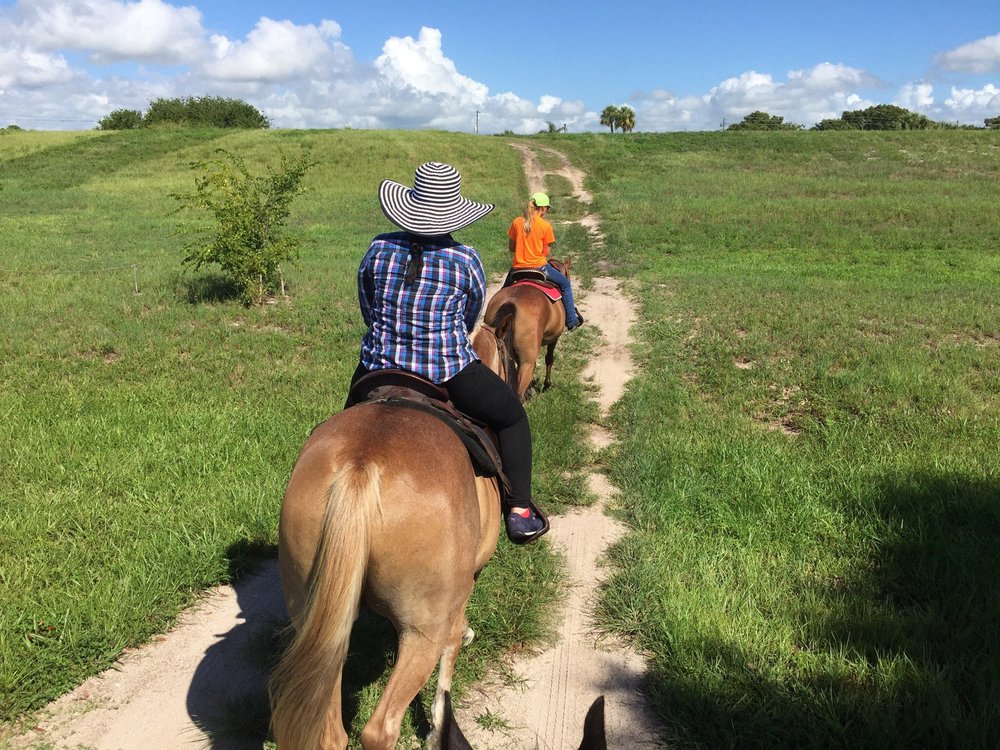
<point x="807" y="456"/>
<point x="150" y="421"/>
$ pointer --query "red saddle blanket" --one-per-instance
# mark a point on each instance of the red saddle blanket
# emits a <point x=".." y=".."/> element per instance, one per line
<point x="552" y="292"/>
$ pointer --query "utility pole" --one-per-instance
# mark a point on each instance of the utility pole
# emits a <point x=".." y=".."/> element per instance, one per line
<point x="477" y="122"/>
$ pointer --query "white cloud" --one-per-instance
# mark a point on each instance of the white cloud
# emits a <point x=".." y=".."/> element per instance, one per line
<point x="109" y="30"/>
<point x="30" y="69"/>
<point x="421" y="65"/>
<point x="974" y="105"/>
<point x="915" y="96"/>
<point x="274" y="51"/>
<point x="981" y="56"/>
<point x="830" y="77"/>
<point x="806" y="97"/>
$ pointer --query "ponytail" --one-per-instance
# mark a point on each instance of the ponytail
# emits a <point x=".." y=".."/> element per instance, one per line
<point x="530" y="212"/>
<point x="414" y="262"/>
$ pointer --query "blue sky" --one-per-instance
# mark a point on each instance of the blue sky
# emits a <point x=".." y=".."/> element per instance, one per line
<point x="64" y="64"/>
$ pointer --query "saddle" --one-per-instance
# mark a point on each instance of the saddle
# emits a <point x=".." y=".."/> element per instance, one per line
<point x="534" y="277"/>
<point x="411" y="391"/>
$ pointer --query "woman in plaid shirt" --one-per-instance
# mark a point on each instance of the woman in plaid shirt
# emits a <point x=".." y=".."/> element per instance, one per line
<point x="421" y="293"/>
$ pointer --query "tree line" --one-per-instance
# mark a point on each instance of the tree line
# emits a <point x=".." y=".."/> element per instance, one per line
<point x="192" y="112"/>
<point x="878" y="117"/>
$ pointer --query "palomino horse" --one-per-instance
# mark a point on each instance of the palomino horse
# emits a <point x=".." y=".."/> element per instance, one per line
<point x="537" y="321"/>
<point x="383" y="505"/>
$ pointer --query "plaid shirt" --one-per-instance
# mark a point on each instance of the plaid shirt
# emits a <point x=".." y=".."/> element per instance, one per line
<point x="424" y="326"/>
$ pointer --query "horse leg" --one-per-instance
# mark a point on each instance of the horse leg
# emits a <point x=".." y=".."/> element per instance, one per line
<point x="461" y="635"/>
<point x="526" y="371"/>
<point x="415" y="661"/>
<point x="550" y="357"/>
<point x="334" y="731"/>
<point x="527" y="354"/>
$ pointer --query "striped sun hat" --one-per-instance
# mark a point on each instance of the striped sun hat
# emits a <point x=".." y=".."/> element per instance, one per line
<point x="433" y="205"/>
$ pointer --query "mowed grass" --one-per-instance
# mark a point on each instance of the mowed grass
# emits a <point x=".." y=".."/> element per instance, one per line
<point x="809" y="454"/>
<point x="150" y="422"/>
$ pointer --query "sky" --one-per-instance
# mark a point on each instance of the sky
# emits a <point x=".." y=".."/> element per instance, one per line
<point x="491" y="67"/>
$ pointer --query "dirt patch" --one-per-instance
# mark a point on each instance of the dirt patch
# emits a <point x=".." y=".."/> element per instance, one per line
<point x="206" y="677"/>
<point x="541" y="700"/>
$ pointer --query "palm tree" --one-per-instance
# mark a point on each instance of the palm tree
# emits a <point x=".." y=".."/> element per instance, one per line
<point x="626" y="119"/>
<point x="610" y="117"/>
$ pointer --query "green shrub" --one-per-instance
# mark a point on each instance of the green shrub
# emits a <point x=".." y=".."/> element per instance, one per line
<point x="121" y="119"/>
<point x="248" y="241"/>
<point x="205" y="111"/>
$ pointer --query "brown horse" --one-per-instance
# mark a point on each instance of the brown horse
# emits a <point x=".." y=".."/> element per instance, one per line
<point x="537" y="321"/>
<point x="382" y="505"/>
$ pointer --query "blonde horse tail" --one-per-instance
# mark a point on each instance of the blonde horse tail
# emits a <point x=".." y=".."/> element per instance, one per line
<point x="302" y="684"/>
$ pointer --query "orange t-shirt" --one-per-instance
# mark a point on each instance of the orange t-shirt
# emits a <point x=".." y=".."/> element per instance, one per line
<point x="531" y="250"/>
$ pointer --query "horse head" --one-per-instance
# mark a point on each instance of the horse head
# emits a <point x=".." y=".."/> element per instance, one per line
<point x="562" y="265"/>
<point x="594" y="736"/>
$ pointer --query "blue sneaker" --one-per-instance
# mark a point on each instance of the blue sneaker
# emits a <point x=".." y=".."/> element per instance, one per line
<point x="525" y="526"/>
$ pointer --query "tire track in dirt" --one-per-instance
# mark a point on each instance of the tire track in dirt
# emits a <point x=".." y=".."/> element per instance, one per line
<point x="543" y="699"/>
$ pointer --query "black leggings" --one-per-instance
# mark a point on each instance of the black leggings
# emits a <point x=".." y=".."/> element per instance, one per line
<point x="480" y="393"/>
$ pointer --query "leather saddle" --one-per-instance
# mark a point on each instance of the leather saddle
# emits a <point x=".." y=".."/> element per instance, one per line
<point x="411" y="391"/>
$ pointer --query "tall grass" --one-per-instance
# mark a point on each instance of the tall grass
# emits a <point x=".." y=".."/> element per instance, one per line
<point x="150" y="421"/>
<point x="808" y="456"/>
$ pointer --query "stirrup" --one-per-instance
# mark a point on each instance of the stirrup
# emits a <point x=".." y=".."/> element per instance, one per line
<point x="530" y="504"/>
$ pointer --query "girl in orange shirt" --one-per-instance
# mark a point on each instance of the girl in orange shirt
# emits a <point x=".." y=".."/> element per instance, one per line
<point x="530" y="237"/>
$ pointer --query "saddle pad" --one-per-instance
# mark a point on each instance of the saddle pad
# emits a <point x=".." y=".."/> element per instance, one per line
<point x="552" y="292"/>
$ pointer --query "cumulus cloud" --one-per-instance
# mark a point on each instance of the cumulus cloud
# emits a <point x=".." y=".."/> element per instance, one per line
<point x="20" y="67"/>
<point x="974" y="105"/>
<point x="109" y="30"/>
<point x="420" y="64"/>
<point x="918" y="96"/>
<point x="274" y="51"/>
<point x="981" y="56"/>
<point x="805" y="97"/>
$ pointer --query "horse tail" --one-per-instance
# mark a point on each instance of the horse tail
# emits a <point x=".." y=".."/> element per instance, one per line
<point x="300" y="684"/>
<point x="505" y="311"/>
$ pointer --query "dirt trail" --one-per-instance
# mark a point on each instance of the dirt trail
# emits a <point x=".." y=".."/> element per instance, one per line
<point x="544" y="704"/>
<point x="202" y="684"/>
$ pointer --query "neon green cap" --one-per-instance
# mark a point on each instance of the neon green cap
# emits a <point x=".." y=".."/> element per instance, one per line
<point x="540" y="199"/>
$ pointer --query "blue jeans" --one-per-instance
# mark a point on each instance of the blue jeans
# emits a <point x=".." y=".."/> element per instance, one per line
<point x="567" y="293"/>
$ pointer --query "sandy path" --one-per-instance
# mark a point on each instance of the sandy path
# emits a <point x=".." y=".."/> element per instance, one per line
<point x="205" y="678"/>
<point x="543" y="705"/>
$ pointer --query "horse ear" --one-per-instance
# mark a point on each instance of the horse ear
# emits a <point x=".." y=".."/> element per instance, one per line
<point x="451" y="734"/>
<point x="594" y="737"/>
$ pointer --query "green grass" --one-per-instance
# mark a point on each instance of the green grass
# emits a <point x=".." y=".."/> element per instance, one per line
<point x="808" y="457"/>
<point x="150" y="421"/>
